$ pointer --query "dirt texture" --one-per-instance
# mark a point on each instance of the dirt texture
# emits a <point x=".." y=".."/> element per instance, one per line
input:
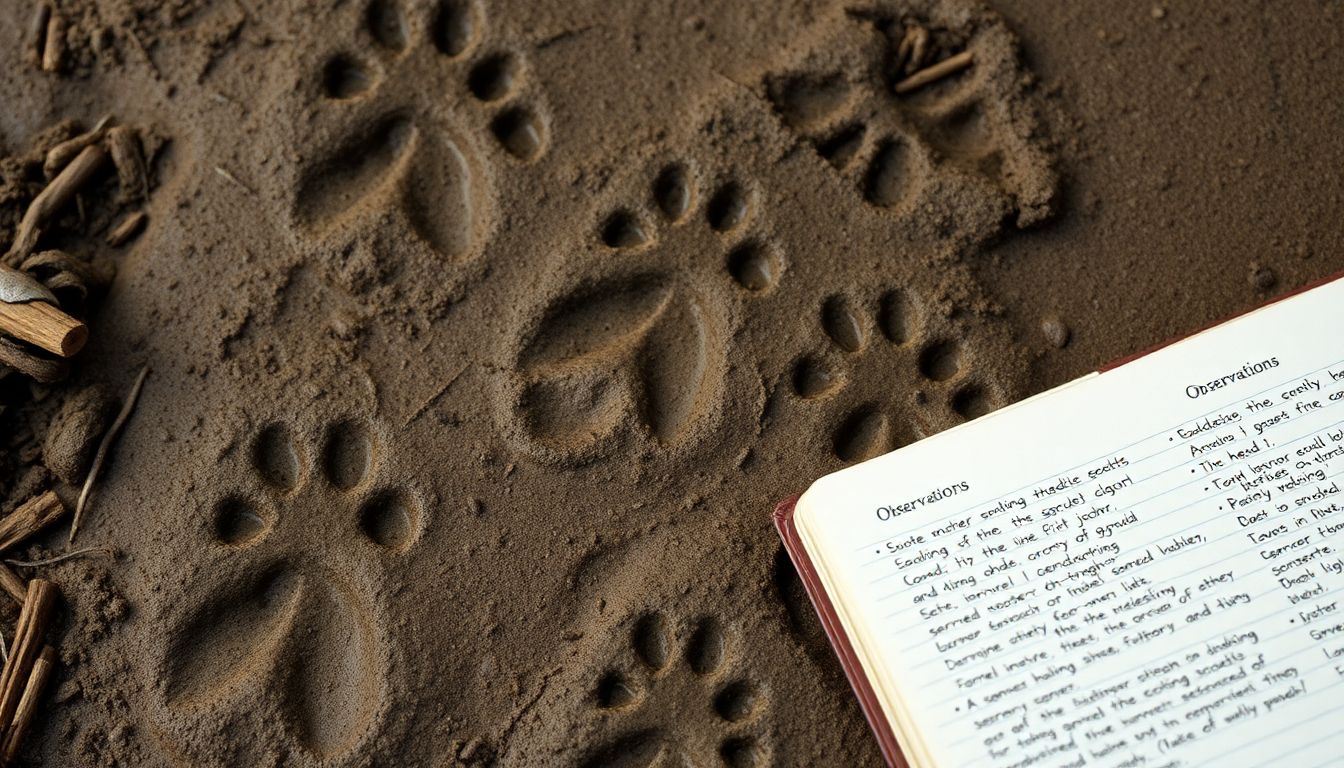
<point x="485" y="334"/>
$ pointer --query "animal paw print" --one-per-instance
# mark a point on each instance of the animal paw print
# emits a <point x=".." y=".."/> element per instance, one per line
<point x="964" y="147"/>
<point x="674" y="701"/>
<point x="293" y="639"/>
<point x="415" y="113"/>
<point x="636" y="342"/>
<point x="888" y="372"/>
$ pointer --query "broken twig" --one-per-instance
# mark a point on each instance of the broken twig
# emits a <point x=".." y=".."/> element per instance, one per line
<point x="53" y="198"/>
<point x="949" y="66"/>
<point x="60" y="155"/>
<point x="101" y="455"/>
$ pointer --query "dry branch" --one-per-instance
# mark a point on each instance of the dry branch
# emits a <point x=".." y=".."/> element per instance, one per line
<point x="103" y="447"/>
<point x="33" y="621"/>
<point x="27" y="708"/>
<point x="49" y="201"/>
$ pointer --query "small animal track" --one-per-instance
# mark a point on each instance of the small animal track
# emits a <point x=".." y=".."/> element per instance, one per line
<point x="636" y="344"/>
<point x="395" y="149"/>
<point x="890" y="371"/>
<point x="292" y="626"/>
<point x="672" y="700"/>
<point x="966" y="145"/>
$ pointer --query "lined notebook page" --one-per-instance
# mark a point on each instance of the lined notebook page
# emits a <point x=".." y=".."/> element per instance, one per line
<point x="1141" y="568"/>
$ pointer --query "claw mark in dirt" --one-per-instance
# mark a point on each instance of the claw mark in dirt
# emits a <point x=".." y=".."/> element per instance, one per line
<point x="636" y="344"/>
<point x="968" y="145"/>
<point x="291" y="632"/>
<point x="672" y="700"/>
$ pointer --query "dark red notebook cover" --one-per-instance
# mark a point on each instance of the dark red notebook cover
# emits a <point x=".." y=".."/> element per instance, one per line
<point x="858" y="679"/>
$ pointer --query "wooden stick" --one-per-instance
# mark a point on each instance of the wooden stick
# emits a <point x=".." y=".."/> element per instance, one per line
<point x="43" y="326"/>
<point x="60" y="155"/>
<point x="53" y="51"/>
<point x="37" y="33"/>
<point x="31" y="516"/>
<point x="13" y="584"/>
<point x="101" y="455"/>
<point x="923" y="77"/>
<point x="33" y="621"/>
<point x="128" y="228"/>
<point x="49" y="201"/>
<point x="23" y="716"/>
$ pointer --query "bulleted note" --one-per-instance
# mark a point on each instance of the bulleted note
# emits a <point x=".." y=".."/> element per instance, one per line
<point x="1142" y="568"/>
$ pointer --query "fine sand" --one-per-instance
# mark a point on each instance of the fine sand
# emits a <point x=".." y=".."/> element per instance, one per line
<point x="485" y="335"/>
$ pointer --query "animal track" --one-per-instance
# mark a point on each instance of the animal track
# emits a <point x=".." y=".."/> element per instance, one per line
<point x="966" y="144"/>
<point x="636" y="344"/>
<point x="291" y="626"/>
<point x="873" y="349"/>
<point x="673" y="701"/>
<point x="390" y="155"/>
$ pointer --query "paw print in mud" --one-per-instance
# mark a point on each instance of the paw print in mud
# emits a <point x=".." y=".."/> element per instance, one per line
<point x="634" y="344"/>
<point x="669" y="705"/>
<point x="412" y="117"/>
<point x="965" y="147"/>
<point x="292" y="647"/>
<point x="886" y="371"/>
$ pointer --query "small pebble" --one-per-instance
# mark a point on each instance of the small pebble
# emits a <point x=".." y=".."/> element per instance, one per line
<point x="1262" y="277"/>
<point x="1159" y="12"/>
<point x="1056" y="332"/>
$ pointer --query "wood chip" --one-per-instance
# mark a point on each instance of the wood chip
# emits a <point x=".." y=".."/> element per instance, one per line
<point x="32" y="516"/>
<point x="128" y="228"/>
<point x="13" y="584"/>
<point x="53" y="50"/>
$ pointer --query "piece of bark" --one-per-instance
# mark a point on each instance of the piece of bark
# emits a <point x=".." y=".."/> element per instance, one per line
<point x="49" y="201"/>
<point x="29" y="362"/>
<point x="31" y="516"/>
<point x="129" y="159"/>
<point x="34" y="617"/>
<point x="43" y="666"/>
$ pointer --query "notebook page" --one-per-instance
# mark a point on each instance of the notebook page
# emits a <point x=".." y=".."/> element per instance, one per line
<point x="1141" y="568"/>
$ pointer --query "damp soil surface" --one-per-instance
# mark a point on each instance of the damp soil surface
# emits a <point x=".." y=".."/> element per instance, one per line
<point x="485" y="335"/>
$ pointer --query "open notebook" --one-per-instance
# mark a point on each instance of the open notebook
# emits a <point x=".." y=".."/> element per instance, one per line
<point x="1142" y="567"/>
